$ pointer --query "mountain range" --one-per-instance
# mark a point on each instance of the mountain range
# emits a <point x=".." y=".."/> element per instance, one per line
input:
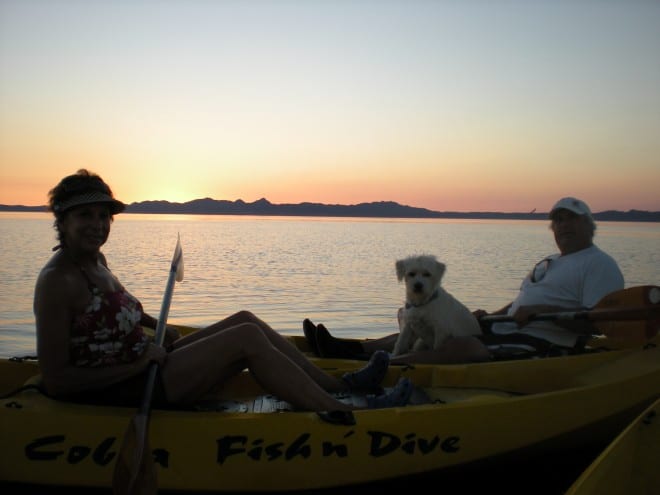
<point x="379" y="209"/>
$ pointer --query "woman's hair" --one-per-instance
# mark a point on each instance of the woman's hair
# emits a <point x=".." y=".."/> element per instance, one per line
<point x="83" y="187"/>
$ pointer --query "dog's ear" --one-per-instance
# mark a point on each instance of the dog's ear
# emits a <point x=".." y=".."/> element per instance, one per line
<point x="400" y="269"/>
<point x="440" y="269"/>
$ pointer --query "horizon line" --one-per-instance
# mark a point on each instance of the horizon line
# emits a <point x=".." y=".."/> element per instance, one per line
<point x="534" y="211"/>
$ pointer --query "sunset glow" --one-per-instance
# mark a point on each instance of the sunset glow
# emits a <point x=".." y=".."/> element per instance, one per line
<point x="451" y="106"/>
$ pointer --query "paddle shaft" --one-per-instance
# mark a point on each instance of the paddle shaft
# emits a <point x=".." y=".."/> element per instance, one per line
<point x="160" y="328"/>
<point x="167" y="297"/>
<point x="621" y="314"/>
<point x="637" y="305"/>
<point x="159" y="338"/>
<point x="135" y="471"/>
<point x="631" y="314"/>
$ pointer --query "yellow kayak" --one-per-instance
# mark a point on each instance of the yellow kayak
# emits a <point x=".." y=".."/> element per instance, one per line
<point x="249" y="441"/>
<point x="629" y="465"/>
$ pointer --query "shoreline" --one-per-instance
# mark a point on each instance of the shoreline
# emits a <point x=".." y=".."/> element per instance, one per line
<point x="369" y="210"/>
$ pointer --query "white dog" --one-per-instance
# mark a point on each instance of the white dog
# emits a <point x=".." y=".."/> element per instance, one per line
<point x="431" y="314"/>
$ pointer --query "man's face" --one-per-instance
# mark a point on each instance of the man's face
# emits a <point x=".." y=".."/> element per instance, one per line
<point x="572" y="232"/>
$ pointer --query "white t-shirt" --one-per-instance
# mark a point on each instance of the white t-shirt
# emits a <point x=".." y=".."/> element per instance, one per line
<point x="577" y="280"/>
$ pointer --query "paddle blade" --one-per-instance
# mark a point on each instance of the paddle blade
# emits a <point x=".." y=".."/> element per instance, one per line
<point x="639" y="331"/>
<point x="135" y="470"/>
<point x="177" y="260"/>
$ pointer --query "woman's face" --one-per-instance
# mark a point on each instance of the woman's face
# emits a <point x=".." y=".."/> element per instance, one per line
<point x="86" y="227"/>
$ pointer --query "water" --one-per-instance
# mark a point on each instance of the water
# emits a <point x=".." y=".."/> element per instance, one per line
<point x="339" y="271"/>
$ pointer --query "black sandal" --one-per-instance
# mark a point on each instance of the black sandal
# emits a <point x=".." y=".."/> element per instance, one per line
<point x="369" y="377"/>
<point x="332" y="347"/>
<point x="397" y="397"/>
<point x="310" y="331"/>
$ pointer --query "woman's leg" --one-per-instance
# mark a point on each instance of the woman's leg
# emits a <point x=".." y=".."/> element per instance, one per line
<point x="326" y="381"/>
<point x="231" y="321"/>
<point x="194" y="369"/>
<point x="267" y="361"/>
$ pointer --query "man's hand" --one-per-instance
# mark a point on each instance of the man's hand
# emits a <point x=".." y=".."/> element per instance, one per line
<point x="524" y="314"/>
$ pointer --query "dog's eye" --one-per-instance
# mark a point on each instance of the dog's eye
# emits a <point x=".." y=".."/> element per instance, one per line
<point x="426" y="274"/>
<point x="412" y="274"/>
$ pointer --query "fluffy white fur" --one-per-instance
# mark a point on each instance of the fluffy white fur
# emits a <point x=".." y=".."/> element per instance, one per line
<point x="431" y="314"/>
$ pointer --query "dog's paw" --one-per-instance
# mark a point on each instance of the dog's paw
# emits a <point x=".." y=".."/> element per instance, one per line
<point x="420" y="345"/>
<point x="404" y="341"/>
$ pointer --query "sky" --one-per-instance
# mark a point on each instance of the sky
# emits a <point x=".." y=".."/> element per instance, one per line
<point x="450" y="105"/>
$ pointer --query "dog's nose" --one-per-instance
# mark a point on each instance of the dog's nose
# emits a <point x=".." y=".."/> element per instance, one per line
<point x="418" y="287"/>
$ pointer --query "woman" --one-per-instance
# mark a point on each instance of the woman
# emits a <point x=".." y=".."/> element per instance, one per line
<point x="91" y="343"/>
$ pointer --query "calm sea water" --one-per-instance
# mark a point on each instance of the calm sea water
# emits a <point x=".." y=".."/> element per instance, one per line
<point x="333" y="270"/>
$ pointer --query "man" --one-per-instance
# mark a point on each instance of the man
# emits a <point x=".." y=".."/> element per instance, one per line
<point x="574" y="279"/>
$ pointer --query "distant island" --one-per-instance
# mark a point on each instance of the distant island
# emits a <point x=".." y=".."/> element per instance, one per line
<point x="378" y="209"/>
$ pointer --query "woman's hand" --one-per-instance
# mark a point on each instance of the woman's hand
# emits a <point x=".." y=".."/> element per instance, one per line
<point x="155" y="354"/>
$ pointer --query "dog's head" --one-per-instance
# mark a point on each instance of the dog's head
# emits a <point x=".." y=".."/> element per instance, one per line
<point x="422" y="275"/>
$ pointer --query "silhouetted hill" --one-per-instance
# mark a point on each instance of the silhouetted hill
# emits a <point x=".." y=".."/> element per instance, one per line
<point x="379" y="209"/>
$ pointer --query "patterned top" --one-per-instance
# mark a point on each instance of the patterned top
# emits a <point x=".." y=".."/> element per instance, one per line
<point x="108" y="331"/>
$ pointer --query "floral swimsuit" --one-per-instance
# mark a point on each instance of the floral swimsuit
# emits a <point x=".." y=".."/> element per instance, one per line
<point x="108" y="331"/>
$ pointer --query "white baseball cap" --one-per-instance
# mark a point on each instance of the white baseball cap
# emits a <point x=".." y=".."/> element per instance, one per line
<point x="575" y="205"/>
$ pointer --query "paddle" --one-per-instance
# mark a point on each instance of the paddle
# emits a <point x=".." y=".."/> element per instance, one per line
<point x="631" y="315"/>
<point x="135" y="472"/>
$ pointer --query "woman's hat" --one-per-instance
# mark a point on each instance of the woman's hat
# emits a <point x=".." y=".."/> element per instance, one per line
<point x="89" y="197"/>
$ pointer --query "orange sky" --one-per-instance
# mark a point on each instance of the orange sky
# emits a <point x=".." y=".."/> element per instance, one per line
<point x="429" y="104"/>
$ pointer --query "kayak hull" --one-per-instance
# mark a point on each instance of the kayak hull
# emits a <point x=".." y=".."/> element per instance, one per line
<point x="629" y="464"/>
<point x="473" y="412"/>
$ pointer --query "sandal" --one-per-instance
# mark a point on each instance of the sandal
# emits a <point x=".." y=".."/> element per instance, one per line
<point x="310" y="335"/>
<point x="397" y="397"/>
<point x="369" y="378"/>
<point x="332" y="347"/>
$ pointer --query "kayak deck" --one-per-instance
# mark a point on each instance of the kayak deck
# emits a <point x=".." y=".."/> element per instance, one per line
<point x="271" y="404"/>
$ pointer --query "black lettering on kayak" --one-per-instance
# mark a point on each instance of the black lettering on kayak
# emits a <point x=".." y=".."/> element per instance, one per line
<point x="226" y="447"/>
<point x="450" y="444"/>
<point x="44" y="449"/>
<point x="328" y="449"/>
<point x="77" y="453"/>
<point x="233" y="445"/>
<point x="383" y="443"/>
<point x="274" y="451"/>
<point x="426" y="446"/>
<point x="103" y="455"/>
<point x="299" y="448"/>
<point x="255" y="453"/>
<point x="409" y="446"/>
<point x="33" y="453"/>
